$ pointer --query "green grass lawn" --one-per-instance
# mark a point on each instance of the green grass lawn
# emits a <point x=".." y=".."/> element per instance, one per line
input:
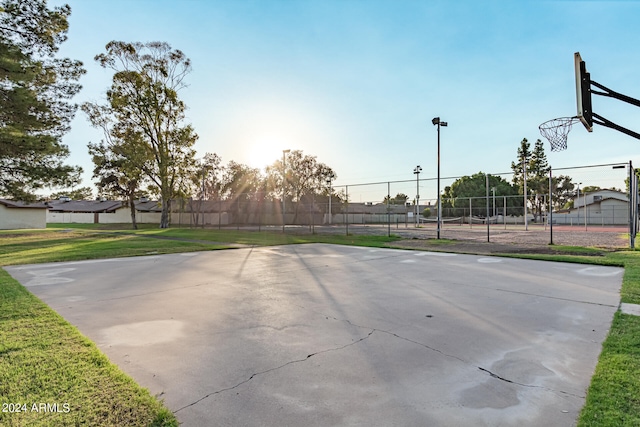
<point x="43" y="359"/>
<point x="260" y="238"/>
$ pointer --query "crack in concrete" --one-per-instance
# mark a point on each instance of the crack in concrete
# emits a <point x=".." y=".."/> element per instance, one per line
<point x="372" y="331"/>
<point x="422" y="345"/>
<point x="275" y="369"/>
<point x="555" y="298"/>
<point x="498" y="377"/>
<point x="493" y="375"/>
<point x="388" y="333"/>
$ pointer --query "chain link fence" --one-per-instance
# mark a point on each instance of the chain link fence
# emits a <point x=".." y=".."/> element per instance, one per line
<point x="595" y="198"/>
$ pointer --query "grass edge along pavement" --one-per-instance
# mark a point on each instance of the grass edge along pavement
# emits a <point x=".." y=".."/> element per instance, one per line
<point x="98" y="393"/>
<point x="53" y="375"/>
<point x="613" y="397"/>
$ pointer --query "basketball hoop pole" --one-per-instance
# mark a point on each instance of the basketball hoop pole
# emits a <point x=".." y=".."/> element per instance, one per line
<point x="550" y="213"/>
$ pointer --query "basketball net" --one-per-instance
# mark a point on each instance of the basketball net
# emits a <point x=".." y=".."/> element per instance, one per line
<point x="556" y="131"/>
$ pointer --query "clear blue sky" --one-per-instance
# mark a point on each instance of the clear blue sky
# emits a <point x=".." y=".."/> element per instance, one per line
<point x="356" y="83"/>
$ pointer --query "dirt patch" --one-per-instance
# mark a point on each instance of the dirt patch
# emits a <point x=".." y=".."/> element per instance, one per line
<point x="536" y="240"/>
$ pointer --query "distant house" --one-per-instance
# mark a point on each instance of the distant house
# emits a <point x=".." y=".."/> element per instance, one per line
<point x="146" y="205"/>
<point x="16" y="215"/>
<point x="602" y="207"/>
<point x="602" y="198"/>
<point x="65" y="210"/>
<point x="381" y="208"/>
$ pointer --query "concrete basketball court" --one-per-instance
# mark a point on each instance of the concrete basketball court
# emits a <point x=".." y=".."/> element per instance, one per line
<point x="320" y="335"/>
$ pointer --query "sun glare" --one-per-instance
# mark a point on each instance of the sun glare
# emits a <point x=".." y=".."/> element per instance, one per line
<point x="264" y="151"/>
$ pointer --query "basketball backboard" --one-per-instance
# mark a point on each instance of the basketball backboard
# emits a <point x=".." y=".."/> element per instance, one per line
<point x="583" y="92"/>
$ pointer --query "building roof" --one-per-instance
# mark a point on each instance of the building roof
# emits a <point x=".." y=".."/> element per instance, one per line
<point x="608" y="190"/>
<point x="93" y="206"/>
<point x="381" y="208"/>
<point x="18" y="204"/>
<point x="148" y="206"/>
<point x="626" y="200"/>
<point x="85" y="206"/>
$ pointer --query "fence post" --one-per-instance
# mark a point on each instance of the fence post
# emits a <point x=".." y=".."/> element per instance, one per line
<point x="586" y="209"/>
<point x="388" y="211"/>
<point x="347" y="221"/>
<point x="524" y="168"/>
<point x="486" y="175"/>
<point x="631" y="207"/>
<point x="636" y="205"/>
<point x="504" y="212"/>
<point x="633" y="200"/>
<point x="550" y="214"/>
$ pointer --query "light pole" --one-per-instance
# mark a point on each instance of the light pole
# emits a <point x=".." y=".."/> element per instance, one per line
<point x="436" y="122"/>
<point x="204" y="175"/>
<point x="330" y="213"/>
<point x="524" y="177"/>
<point x="493" y="191"/>
<point x="578" y="203"/>
<point x="417" y="171"/>
<point x="284" y="181"/>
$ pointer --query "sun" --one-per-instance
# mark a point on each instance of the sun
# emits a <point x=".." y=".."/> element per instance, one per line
<point x="264" y="151"/>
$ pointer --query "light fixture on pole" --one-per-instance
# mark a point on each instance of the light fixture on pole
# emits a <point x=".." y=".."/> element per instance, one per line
<point x="284" y="181"/>
<point x="436" y="122"/>
<point x="330" y="213"/>
<point x="417" y="171"/>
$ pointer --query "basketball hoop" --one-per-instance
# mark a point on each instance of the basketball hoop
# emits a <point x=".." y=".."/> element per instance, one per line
<point x="556" y="131"/>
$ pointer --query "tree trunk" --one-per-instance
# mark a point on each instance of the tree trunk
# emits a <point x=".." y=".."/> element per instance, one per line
<point x="295" y="212"/>
<point x="538" y="212"/>
<point x="132" y="206"/>
<point x="164" y="216"/>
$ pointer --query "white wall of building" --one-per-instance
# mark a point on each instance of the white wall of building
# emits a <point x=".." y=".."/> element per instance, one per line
<point x="15" y="218"/>
<point x="607" y="212"/>
<point x="123" y="216"/>
<point x="599" y="195"/>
